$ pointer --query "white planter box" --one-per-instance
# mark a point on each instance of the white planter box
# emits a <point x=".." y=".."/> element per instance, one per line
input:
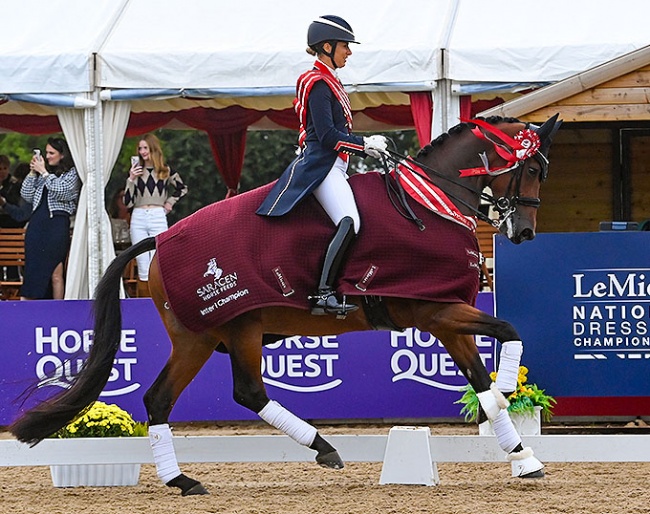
<point x="525" y="424"/>
<point x="75" y="475"/>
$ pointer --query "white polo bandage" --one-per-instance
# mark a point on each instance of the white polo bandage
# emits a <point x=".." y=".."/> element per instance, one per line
<point x="279" y="417"/>
<point x="492" y="401"/>
<point x="164" y="456"/>
<point x="509" y="360"/>
<point x="507" y="435"/>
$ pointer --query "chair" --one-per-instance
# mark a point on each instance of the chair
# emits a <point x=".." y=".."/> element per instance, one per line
<point x="130" y="277"/>
<point x="12" y="258"/>
<point x="485" y="235"/>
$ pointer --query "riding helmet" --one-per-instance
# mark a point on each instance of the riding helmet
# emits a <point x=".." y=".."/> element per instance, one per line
<point x="329" y="28"/>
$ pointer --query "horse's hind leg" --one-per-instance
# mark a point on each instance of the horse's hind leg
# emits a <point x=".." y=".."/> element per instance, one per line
<point x="189" y="354"/>
<point x="245" y="349"/>
<point x="455" y="325"/>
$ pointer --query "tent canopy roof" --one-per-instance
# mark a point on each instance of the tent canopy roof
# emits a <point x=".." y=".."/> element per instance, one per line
<point x="251" y="44"/>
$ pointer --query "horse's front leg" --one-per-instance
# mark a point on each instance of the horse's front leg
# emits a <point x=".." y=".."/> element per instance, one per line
<point x="245" y="349"/>
<point x="456" y="325"/>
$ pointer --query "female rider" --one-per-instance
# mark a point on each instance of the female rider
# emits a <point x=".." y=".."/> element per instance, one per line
<point x="326" y="142"/>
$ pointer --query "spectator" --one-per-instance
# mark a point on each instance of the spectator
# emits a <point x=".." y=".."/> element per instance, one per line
<point x="53" y="190"/>
<point x="14" y="212"/>
<point x="120" y="218"/>
<point x="9" y="194"/>
<point x="118" y="209"/>
<point x="152" y="190"/>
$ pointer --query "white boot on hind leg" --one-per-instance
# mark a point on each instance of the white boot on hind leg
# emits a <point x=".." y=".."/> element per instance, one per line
<point x="525" y="464"/>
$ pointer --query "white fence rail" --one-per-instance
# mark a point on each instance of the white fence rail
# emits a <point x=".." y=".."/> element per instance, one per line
<point x="352" y="448"/>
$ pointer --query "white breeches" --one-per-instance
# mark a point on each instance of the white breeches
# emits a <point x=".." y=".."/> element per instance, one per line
<point x="336" y="197"/>
<point x="146" y="222"/>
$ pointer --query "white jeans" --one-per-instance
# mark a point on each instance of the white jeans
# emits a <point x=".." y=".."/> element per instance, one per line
<point x="146" y="222"/>
<point x="336" y="197"/>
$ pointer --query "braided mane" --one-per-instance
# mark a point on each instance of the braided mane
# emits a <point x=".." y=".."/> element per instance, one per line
<point x="457" y="129"/>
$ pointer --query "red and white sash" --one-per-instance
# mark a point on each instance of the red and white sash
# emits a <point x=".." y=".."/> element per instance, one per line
<point x="429" y="195"/>
<point x="305" y="82"/>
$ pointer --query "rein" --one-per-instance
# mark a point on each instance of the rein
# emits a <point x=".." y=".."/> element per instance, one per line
<point x="505" y="206"/>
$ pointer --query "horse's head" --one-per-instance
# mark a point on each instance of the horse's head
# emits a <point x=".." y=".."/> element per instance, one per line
<point x="513" y="167"/>
<point x="504" y="154"/>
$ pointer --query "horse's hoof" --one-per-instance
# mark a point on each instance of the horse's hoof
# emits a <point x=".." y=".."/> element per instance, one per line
<point x="534" y="474"/>
<point x="187" y="485"/>
<point x="197" y="489"/>
<point x="330" y="460"/>
<point x="525" y="464"/>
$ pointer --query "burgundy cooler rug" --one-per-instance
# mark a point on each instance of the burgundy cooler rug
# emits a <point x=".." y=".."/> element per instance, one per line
<point x="224" y="259"/>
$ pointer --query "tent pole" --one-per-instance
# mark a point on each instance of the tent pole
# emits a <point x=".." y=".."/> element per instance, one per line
<point x="446" y="108"/>
<point x="95" y="184"/>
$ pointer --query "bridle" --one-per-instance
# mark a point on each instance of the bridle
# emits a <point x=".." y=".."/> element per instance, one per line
<point x="505" y="206"/>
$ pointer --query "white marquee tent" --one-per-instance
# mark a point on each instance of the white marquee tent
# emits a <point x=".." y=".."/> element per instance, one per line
<point x="94" y="63"/>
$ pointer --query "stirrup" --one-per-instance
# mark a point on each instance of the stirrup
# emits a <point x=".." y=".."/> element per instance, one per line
<point x="325" y="302"/>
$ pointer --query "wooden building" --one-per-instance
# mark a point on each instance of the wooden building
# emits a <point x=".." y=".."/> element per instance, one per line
<point x="600" y="158"/>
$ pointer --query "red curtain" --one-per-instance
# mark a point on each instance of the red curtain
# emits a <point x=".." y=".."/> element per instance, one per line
<point x="228" y="151"/>
<point x="226" y="129"/>
<point x="286" y="118"/>
<point x="469" y="109"/>
<point x="32" y="125"/>
<point x="422" y="109"/>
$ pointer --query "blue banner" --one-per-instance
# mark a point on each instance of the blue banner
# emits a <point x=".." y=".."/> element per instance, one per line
<point x="581" y="302"/>
<point x="360" y="375"/>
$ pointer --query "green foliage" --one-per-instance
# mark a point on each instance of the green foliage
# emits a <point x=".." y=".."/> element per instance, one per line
<point x="18" y="147"/>
<point x="523" y="400"/>
<point x="103" y="420"/>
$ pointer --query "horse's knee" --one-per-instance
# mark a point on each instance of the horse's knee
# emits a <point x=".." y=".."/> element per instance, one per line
<point x="252" y="399"/>
<point x="505" y="331"/>
<point x="158" y="404"/>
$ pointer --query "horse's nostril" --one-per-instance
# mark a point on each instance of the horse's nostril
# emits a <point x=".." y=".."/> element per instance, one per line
<point x="527" y="234"/>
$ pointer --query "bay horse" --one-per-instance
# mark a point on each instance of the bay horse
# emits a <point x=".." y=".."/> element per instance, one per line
<point x="507" y="156"/>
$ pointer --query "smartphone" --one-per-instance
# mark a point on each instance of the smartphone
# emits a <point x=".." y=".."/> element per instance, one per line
<point x="135" y="160"/>
<point x="37" y="152"/>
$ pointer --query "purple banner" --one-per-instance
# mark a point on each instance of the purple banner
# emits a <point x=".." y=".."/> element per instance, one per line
<point x="360" y="375"/>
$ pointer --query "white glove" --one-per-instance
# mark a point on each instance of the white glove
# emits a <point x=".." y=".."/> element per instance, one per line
<point x="375" y="145"/>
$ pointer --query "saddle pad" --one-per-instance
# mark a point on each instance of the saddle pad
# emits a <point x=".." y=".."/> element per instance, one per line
<point x="224" y="259"/>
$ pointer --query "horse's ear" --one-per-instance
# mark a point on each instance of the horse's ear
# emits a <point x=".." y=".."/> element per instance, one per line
<point x="547" y="131"/>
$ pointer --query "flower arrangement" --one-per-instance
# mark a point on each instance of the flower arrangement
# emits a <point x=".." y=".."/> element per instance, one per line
<point x="523" y="401"/>
<point x="103" y="420"/>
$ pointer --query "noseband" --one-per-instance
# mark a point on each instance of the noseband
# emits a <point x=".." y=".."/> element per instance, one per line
<point x="506" y="206"/>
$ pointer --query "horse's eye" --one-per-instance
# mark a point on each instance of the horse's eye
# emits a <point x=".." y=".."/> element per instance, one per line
<point x="533" y="171"/>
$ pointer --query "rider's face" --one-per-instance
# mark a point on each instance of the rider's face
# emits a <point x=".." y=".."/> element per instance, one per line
<point x="342" y="53"/>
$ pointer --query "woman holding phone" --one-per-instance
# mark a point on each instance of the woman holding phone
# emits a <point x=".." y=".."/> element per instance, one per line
<point x="151" y="191"/>
<point x="52" y="187"/>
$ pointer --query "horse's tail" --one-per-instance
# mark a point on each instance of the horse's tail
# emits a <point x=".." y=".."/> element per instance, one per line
<point x="51" y="415"/>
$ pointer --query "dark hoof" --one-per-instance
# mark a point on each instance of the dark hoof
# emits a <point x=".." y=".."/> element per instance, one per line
<point x="188" y="486"/>
<point x="197" y="489"/>
<point x="534" y="474"/>
<point x="330" y="460"/>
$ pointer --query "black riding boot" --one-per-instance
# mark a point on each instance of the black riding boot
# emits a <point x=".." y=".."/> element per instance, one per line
<point x="325" y="301"/>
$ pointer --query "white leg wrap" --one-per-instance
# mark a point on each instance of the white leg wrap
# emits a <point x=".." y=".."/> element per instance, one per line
<point x="506" y="433"/>
<point x="509" y="360"/>
<point x="492" y="401"/>
<point x="164" y="456"/>
<point x="279" y="417"/>
<point x="524" y="462"/>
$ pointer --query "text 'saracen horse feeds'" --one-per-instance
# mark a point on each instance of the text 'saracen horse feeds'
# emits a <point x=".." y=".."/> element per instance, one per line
<point x="224" y="277"/>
